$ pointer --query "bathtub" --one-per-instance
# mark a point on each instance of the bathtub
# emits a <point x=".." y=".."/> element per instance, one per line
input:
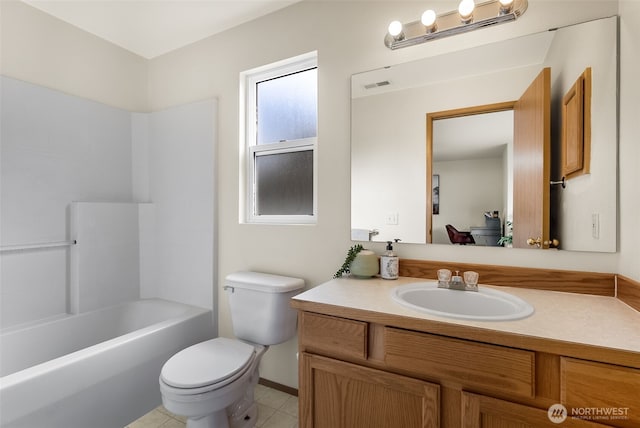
<point x="96" y="369"/>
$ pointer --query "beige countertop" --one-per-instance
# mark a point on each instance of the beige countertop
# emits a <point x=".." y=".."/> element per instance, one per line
<point x="565" y="319"/>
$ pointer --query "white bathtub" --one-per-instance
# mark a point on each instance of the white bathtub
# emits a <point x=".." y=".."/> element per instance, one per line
<point x="93" y="370"/>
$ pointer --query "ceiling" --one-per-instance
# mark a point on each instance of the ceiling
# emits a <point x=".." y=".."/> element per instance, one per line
<point x="151" y="28"/>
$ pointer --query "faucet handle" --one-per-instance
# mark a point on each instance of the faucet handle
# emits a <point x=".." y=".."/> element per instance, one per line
<point x="444" y="275"/>
<point x="471" y="279"/>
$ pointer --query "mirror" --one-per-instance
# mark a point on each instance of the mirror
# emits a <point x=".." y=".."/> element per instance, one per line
<point x="391" y="190"/>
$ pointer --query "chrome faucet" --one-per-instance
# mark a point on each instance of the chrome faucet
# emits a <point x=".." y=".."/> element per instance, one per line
<point x="456" y="282"/>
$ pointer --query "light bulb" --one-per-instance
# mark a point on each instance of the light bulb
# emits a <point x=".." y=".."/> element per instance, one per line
<point x="506" y="6"/>
<point x="429" y="20"/>
<point x="465" y="9"/>
<point x="395" y="29"/>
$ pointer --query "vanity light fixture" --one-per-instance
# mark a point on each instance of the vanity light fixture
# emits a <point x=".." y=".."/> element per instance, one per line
<point x="469" y="16"/>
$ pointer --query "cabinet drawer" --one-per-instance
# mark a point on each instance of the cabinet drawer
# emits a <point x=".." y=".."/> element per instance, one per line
<point x="338" y="337"/>
<point x="476" y="366"/>
<point x="612" y="393"/>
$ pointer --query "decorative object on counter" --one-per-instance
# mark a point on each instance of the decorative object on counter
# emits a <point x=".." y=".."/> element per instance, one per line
<point x="359" y="262"/>
<point x="351" y="255"/>
<point x="365" y="264"/>
<point x="389" y="262"/>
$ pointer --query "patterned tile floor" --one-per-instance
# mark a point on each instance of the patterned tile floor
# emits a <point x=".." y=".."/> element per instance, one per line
<point x="276" y="409"/>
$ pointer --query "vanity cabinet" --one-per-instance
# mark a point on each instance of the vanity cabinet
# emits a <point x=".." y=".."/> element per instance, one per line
<point x="369" y="373"/>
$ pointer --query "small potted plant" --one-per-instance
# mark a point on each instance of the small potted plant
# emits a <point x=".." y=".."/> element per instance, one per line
<point x="507" y="239"/>
<point x="359" y="262"/>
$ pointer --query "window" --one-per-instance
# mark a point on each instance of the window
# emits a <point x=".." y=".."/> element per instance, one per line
<point x="280" y="141"/>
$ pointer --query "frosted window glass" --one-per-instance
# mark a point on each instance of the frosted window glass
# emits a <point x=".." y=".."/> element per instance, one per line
<point x="284" y="183"/>
<point x="287" y="107"/>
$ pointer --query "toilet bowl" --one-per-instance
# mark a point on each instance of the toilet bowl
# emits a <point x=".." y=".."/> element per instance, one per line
<point x="211" y="383"/>
<point x="202" y="381"/>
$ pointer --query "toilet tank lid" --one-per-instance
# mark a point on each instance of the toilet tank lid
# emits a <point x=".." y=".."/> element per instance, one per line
<point x="264" y="282"/>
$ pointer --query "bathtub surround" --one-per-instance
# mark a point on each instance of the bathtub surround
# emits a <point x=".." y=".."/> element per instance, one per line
<point x="210" y="68"/>
<point x="175" y="169"/>
<point x="57" y="149"/>
<point x="105" y="262"/>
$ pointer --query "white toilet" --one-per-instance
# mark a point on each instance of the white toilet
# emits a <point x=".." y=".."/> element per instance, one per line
<point x="212" y="383"/>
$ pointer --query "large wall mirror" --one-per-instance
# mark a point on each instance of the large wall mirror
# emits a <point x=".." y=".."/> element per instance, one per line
<point x="434" y="144"/>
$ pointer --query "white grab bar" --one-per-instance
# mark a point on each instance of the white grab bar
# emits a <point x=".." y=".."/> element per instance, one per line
<point x="38" y="246"/>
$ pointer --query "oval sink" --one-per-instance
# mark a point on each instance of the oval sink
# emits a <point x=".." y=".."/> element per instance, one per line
<point x="486" y="304"/>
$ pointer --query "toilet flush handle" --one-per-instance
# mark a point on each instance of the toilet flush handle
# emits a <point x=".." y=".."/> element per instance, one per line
<point x="227" y="287"/>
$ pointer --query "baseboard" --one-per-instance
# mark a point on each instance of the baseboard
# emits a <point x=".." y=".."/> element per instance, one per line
<point x="278" y="386"/>
<point x="629" y="291"/>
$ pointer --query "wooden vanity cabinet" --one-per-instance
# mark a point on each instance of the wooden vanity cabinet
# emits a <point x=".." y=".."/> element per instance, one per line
<point x="359" y="374"/>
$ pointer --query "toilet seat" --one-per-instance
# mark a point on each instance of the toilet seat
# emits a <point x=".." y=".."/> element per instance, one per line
<point x="207" y="366"/>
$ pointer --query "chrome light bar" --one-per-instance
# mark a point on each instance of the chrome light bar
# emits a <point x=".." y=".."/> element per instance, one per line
<point x="451" y="23"/>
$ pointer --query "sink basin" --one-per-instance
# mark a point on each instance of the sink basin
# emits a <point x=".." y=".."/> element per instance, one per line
<point x="486" y="304"/>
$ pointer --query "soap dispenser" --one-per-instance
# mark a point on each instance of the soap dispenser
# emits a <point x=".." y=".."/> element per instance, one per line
<point x="389" y="263"/>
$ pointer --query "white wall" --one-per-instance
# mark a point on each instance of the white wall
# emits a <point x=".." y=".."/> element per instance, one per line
<point x="41" y="49"/>
<point x="211" y="68"/>
<point x="589" y="193"/>
<point x="468" y="189"/>
<point x="629" y="149"/>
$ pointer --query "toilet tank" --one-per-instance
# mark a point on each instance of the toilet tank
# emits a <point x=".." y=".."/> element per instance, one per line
<point x="260" y="306"/>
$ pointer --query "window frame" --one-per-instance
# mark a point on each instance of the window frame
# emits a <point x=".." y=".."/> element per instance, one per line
<point x="249" y="146"/>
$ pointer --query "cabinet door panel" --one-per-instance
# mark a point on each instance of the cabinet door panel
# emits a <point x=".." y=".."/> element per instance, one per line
<point x="335" y="394"/>
<point x="337" y="337"/>
<point x="478" y="366"/>
<point x="479" y="411"/>
<point x="610" y="393"/>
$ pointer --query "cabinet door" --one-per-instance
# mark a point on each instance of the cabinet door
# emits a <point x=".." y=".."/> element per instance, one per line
<point x="601" y="391"/>
<point x="479" y="411"/>
<point x="335" y="394"/>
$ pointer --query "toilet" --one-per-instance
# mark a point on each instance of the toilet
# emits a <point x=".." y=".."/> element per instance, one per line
<point x="211" y="383"/>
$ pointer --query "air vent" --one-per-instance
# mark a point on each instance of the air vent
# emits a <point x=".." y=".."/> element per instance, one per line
<point x="377" y="84"/>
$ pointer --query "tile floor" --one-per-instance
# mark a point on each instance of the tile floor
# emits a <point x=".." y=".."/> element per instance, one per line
<point x="276" y="409"/>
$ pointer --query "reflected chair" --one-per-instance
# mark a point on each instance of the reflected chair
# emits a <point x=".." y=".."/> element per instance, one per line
<point x="458" y="237"/>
